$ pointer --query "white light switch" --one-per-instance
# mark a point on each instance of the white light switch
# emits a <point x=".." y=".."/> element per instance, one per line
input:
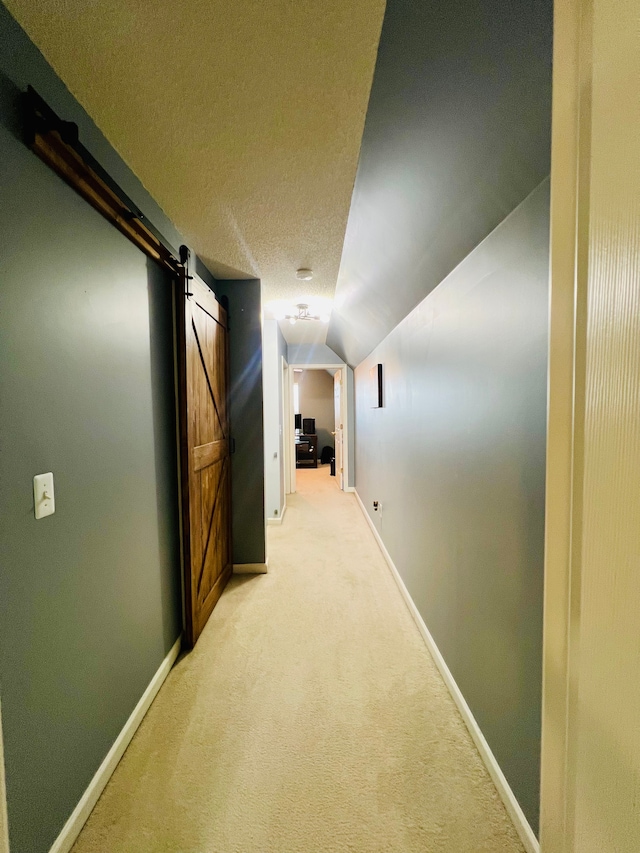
<point x="43" y="498"/>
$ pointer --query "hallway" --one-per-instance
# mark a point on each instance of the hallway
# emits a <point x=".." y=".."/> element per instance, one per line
<point x="308" y="718"/>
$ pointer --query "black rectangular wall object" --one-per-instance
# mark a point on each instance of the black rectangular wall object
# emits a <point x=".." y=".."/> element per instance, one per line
<point x="376" y="386"/>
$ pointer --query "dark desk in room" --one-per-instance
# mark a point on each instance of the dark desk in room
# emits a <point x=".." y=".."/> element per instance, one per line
<point x="307" y="451"/>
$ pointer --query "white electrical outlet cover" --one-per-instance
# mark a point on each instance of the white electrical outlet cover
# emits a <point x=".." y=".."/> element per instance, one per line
<point x="43" y="497"/>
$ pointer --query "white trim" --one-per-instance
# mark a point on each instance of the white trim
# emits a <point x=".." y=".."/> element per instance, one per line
<point x="346" y="462"/>
<point x="350" y="489"/>
<point x="4" y="821"/>
<point x="527" y="835"/>
<point x="340" y="466"/>
<point x="571" y="244"/>
<point x="277" y="519"/>
<point x="291" y="447"/>
<point x="286" y="428"/>
<point x="70" y="831"/>
<point x="251" y="568"/>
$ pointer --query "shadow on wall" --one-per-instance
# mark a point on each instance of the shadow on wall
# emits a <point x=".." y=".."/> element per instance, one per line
<point x="160" y="290"/>
<point x="247" y="424"/>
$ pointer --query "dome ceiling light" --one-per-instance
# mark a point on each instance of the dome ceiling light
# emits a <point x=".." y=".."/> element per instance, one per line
<point x="304" y="274"/>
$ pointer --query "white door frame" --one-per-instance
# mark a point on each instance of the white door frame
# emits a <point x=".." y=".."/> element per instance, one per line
<point x="338" y="420"/>
<point x="286" y="428"/>
<point x="291" y="450"/>
<point x="570" y="176"/>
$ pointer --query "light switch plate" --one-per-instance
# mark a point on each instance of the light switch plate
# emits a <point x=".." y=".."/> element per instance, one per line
<point x="43" y="497"/>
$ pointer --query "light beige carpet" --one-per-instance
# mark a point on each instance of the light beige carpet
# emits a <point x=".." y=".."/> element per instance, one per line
<point x="310" y="718"/>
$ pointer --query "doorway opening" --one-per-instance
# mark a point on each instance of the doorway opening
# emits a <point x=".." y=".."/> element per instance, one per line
<point x="316" y="423"/>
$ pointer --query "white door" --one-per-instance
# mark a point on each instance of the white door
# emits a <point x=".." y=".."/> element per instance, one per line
<point x="339" y="421"/>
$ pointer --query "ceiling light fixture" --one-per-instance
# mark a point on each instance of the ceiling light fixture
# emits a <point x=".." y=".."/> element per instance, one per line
<point x="304" y="274"/>
<point x="303" y="313"/>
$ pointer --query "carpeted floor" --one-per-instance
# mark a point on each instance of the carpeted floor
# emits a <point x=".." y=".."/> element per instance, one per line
<point x="310" y="718"/>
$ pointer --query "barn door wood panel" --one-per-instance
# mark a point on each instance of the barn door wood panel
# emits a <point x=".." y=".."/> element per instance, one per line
<point x="205" y="452"/>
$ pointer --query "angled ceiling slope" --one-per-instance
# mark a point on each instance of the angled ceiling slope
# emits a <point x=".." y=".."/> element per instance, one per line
<point x="457" y="135"/>
<point x="243" y="120"/>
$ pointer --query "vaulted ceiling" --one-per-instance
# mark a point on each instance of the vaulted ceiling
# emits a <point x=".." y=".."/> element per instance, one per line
<point x="245" y="122"/>
<point x="457" y="135"/>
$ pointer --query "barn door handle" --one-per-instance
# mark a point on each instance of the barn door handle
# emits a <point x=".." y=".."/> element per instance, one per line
<point x="232" y="445"/>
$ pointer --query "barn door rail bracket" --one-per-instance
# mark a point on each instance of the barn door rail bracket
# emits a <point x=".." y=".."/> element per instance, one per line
<point x="185" y="255"/>
<point x="56" y="142"/>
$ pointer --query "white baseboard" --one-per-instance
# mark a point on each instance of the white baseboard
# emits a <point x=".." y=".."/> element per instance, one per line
<point x="349" y="488"/>
<point x="277" y="519"/>
<point x="70" y="831"/>
<point x="251" y="568"/>
<point x="4" y="823"/>
<point x="527" y="835"/>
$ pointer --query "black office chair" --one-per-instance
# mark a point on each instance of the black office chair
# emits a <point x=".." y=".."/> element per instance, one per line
<point x="328" y="453"/>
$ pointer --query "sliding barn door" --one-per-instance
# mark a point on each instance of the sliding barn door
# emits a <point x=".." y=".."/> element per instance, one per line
<point x="205" y="452"/>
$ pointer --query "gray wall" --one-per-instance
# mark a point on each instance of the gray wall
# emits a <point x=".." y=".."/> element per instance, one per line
<point x="457" y="457"/>
<point x="456" y="136"/>
<point x="89" y="597"/>
<point x="274" y="350"/>
<point x="312" y="354"/>
<point x="247" y="425"/>
<point x="351" y="415"/>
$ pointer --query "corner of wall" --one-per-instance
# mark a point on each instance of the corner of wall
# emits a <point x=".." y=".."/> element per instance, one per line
<point x="4" y="821"/>
<point x="273" y="348"/>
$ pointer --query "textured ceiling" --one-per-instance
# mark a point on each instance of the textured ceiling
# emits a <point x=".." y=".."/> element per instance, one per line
<point x="243" y="120"/>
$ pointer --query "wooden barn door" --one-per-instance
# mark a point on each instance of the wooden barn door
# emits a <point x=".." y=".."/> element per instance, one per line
<point x="205" y="452"/>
